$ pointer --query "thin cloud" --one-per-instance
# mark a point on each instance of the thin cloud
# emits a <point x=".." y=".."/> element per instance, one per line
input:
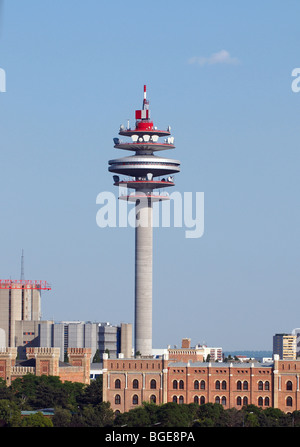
<point x="221" y="57"/>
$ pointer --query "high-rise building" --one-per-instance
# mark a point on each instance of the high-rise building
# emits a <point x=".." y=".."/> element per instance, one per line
<point x="297" y="333"/>
<point x="284" y="345"/>
<point x="20" y="300"/>
<point x="144" y="173"/>
<point x="101" y="337"/>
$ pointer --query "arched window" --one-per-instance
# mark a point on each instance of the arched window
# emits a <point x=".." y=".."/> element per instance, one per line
<point x="196" y="400"/>
<point x="135" y="384"/>
<point x="153" y="384"/>
<point x="260" y="385"/>
<point x="181" y="399"/>
<point x="289" y="402"/>
<point x="260" y="402"/>
<point x="245" y="385"/>
<point x="202" y="384"/>
<point x="202" y="400"/>
<point x="153" y="399"/>
<point x="267" y="385"/>
<point x="135" y="399"/>
<point x="117" y="383"/>
<point x="239" y="385"/>
<point x="289" y="385"/>
<point x="245" y="400"/>
<point x="175" y="399"/>
<point x="196" y="385"/>
<point x="217" y="385"/>
<point x="217" y="400"/>
<point x="223" y="400"/>
<point x="224" y="385"/>
<point x="175" y="385"/>
<point x="117" y="399"/>
<point x="267" y="402"/>
<point x="239" y="400"/>
<point x="181" y="385"/>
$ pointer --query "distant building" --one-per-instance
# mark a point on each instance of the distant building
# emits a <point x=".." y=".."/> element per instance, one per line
<point x="101" y="337"/>
<point x="212" y="354"/>
<point x="285" y="346"/>
<point x="198" y="353"/>
<point x="297" y="333"/>
<point x="19" y="301"/>
<point x="96" y="370"/>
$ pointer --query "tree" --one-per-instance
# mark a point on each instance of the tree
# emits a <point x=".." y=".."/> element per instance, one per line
<point x="62" y="418"/>
<point x="10" y="414"/>
<point x="173" y="415"/>
<point x="97" y="357"/>
<point x="92" y="394"/>
<point x="100" y="415"/>
<point x="36" y="420"/>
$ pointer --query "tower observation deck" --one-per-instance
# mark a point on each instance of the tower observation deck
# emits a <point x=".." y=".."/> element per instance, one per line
<point x="143" y="172"/>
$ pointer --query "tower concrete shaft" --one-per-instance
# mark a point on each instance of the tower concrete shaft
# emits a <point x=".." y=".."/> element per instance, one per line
<point x="143" y="277"/>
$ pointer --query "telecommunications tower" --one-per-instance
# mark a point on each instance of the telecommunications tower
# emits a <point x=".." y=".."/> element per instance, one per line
<point x="143" y="172"/>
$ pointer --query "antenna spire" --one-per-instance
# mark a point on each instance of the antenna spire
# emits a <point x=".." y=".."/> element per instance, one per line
<point x="22" y="266"/>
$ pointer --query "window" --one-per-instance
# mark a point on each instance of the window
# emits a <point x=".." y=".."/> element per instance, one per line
<point x="245" y="401"/>
<point x="117" y="399"/>
<point x="175" y="399"/>
<point x="153" y="399"/>
<point x="181" y="399"/>
<point x="153" y="384"/>
<point x="260" y="401"/>
<point x="267" y="385"/>
<point x="175" y="385"/>
<point x="196" y="400"/>
<point x="223" y="400"/>
<point x="239" y="385"/>
<point x="118" y="383"/>
<point x="135" y="399"/>
<point x="260" y="385"/>
<point x="135" y="384"/>
<point x="224" y="385"/>
<point x="245" y="385"/>
<point x="239" y="400"/>
<point x="217" y="400"/>
<point x="289" y="402"/>
<point x="181" y="385"/>
<point x="202" y="384"/>
<point x="196" y="385"/>
<point x="202" y="400"/>
<point x="217" y="385"/>
<point x="267" y="402"/>
<point x="289" y="385"/>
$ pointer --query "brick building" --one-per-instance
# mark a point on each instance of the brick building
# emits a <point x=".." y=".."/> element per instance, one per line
<point x="45" y="361"/>
<point x="129" y="382"/>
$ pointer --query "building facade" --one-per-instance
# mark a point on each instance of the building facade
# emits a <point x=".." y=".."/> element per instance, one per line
<point x="129" y="382"/>
<point x="102" y="337"/>
<point x="45" y="361"/>
<point x="285" y="346"/>
<point x="18" y="303"/>
<point x="297" y="333"/>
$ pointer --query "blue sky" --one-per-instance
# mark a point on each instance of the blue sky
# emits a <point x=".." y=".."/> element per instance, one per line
<point x="220" y="74"/>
